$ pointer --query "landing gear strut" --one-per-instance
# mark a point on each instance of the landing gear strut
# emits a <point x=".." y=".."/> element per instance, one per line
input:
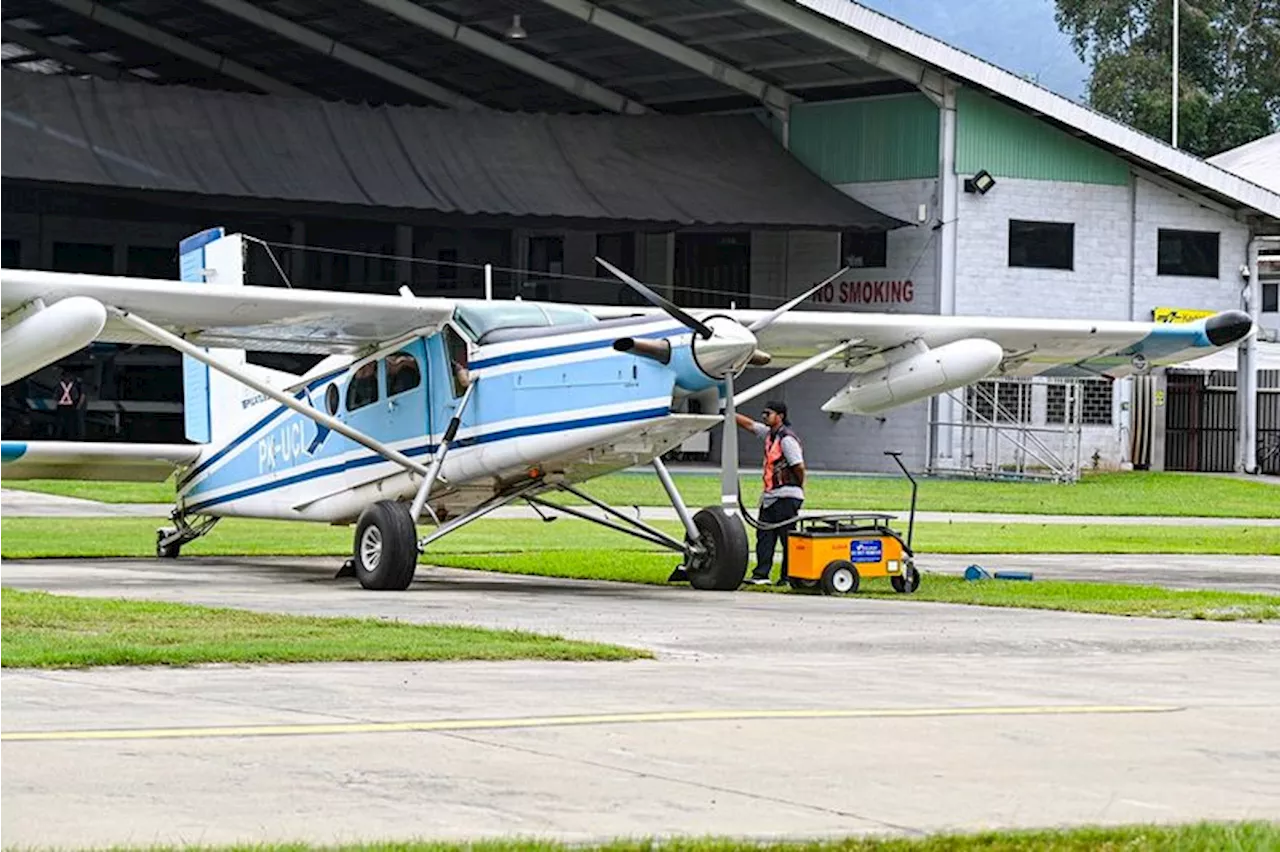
<point x="169" y="540"/>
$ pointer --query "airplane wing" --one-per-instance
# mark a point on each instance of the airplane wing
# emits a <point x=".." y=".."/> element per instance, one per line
<point x="1032" y="346"/>
<point x="645" y="441"/>
<point x="89" y="460"/>
<point x="265" y="319"/>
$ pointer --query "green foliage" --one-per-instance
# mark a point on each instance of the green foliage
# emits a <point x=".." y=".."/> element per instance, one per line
<point x="47" y="631"/>
<point x="1229" y="66"/>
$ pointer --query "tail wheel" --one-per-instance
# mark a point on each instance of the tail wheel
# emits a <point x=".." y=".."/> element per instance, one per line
<point x="385" y="553"/>
<point x="840" y="578"/>
<point x="166" y="551"/>
<point x="908" y="582"/>
<point x="722" y="565"/>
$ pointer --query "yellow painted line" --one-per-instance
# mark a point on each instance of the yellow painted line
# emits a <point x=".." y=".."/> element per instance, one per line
<point x="568" y="721"/>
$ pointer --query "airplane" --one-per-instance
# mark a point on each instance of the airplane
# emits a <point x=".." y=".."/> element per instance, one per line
<point x="455" y="407"/>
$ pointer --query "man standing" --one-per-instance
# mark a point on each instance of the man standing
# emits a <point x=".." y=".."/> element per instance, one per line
<point x="783" y="486"/>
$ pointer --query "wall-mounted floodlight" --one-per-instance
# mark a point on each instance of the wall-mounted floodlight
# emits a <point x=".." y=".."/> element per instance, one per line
<point x="515" y="31"/>
<point x="980" y="183"/>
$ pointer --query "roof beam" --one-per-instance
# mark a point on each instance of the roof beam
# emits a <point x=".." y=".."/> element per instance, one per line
<point x="510" y="56"/>
<point x="343" y="53"/>
<point x="741" y="35"/>
<point x="708" y="66"/>
<point x="798" y="61"/>
<point x="72" y="58"/>
<point x="839" y="37"/>
<point x="178" y="47"/>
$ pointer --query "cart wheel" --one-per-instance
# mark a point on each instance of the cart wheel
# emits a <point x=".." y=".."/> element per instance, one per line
<point x="839" y="578"/>
<point x="802" y="584"/>
<point x="908" y="582"/>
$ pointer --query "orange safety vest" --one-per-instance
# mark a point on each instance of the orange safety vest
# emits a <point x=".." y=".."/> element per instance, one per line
<point x="777" y="472"/>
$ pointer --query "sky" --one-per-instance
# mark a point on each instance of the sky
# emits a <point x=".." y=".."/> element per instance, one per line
<point x="1018" y="35"/>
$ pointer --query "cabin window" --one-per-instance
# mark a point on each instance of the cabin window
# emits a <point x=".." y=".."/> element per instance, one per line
<point x="402" y="373"/>
<point x="458" y="364"/>
<point x="331" y="398"/>
<point x="363" y="388"/>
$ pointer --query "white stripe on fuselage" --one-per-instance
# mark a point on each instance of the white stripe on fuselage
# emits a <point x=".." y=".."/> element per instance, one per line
<point x="417" y="440"/>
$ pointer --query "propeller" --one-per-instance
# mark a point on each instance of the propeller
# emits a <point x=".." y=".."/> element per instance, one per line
<point x="676" y="312"/>
<point x="725" y="349"/>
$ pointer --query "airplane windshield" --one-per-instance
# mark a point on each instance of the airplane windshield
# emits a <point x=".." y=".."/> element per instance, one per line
<point x="477" y="319"/>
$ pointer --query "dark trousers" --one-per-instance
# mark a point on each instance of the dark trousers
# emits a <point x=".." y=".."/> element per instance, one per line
<point x="778" y="510"/>
<point x="70" y="423"/>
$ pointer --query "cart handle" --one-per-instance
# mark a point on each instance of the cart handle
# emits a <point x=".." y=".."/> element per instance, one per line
<point x="911" y="522"/>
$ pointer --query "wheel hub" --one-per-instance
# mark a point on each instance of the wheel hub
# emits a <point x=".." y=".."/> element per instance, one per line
<point x="370" y="548"/>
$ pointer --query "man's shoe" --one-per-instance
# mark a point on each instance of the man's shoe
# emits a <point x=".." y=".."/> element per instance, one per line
<point x="781" y="581"/>
<point x="759" y="581"/>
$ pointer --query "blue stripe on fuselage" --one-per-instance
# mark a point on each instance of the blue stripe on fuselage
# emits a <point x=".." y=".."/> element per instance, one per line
<point x="373" y="458"/>
<point x="548" y="352"/>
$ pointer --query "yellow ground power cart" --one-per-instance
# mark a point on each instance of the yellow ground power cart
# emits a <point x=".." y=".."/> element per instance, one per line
<point x="837" y="552"/>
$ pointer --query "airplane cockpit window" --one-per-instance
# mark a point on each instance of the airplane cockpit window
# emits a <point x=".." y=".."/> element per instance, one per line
<point x="331" y="398"/>
<point x="458" y="361"/>
<point x="402" y="373"/>
<point x="363" y="387"/>
<point x="477" y="319"/>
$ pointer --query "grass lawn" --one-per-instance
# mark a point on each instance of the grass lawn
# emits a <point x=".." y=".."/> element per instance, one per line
<point x="579" y="550"/>
<point x="1198" y="837"/>
<point x="55" y="631"/>
<point x="1136" y="493"/>
<point x="24" y="538"/>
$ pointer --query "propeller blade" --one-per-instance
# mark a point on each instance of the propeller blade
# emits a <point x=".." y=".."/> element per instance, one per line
<point x="767" y="320"/>
<point x="729" y="452"/>
<point x="654" y="299"/>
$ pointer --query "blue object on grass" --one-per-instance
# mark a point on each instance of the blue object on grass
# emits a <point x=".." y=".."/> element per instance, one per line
<point x="976" y="572"/>
<point x="1014" y="575"/>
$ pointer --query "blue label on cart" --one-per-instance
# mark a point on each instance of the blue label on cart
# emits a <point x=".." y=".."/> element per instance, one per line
<point x="866" y="550"/>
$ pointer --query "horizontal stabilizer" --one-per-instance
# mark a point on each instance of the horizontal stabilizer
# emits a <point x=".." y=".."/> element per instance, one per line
<point x="96" y="461"/>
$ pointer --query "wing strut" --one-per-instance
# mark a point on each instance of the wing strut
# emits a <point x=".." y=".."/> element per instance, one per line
<point x="169" y="339"/>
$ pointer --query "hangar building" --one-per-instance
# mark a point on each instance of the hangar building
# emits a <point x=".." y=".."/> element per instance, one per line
<point x="726" y="151"/>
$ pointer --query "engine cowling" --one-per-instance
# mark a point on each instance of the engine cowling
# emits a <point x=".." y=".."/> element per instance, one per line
<point x="49" y="334"/>
<point x="918" y="376"/>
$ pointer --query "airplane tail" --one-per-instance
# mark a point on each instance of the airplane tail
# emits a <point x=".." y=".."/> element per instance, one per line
<point x="215" y="404"/>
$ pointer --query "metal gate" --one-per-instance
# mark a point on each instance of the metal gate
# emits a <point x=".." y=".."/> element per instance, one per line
<point x="1201" y="421"/>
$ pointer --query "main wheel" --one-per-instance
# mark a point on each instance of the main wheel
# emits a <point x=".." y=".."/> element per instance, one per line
<point x="839" y="578"/>
<point x="908" y="582"/>
<point x="723" y="563"/>
<point x="385" y="553"/>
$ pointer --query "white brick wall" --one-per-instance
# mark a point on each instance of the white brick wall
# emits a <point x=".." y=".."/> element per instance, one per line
<point x="1159" y="208"/>
<point x="1097" y="288"/>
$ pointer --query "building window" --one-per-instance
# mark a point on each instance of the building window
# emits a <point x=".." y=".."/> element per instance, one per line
<point x="1270" y="296"/>
<point x="546" y="254"/>
<point x="1095" y="402"/>
<point x="151" y="262"/>
<point x="12" y="254"/>
<point x="93" y="258"/>
<point x="619" y="249"/>
<point x="1192" y="253"/>
<point x="864" y="249"/>
<point x="1042" y="245"/>
<point x="447" y="270"/>
<point x="1002" y="402"/>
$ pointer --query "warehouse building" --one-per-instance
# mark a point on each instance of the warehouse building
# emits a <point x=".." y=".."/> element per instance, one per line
<point x="726" y="151"/>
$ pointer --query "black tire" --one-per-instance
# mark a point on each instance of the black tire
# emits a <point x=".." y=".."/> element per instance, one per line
<point x="167" y="551"/>
<point x="840" y="578"/>
<point x="385" y="550"/>
<point x="908" y="582"/>
<point x="723" y="565"/>
<point x="802" y="584"/>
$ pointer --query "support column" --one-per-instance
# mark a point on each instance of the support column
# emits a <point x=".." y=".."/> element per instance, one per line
<point x="1247" y="370"/>
<point x="404" y="251"/>
<point x="947" y="443"/>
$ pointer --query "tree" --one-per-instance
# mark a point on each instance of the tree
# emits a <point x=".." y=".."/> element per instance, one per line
<point x="1229" y="66"/>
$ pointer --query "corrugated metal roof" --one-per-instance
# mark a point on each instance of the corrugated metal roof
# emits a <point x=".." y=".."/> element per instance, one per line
<point x="1258" y="161"/>
<point x="1028" y="95"/>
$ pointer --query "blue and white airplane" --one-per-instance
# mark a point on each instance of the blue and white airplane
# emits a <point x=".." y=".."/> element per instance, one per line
<point x="454" y="407"/>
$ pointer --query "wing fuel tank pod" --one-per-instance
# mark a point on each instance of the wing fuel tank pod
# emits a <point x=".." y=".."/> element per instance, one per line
<point x="47" y="334"/>
<point x="918" y="375"/>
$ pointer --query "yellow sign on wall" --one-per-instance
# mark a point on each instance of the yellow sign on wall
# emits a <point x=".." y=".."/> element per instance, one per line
<point x="1179" y="314"/>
